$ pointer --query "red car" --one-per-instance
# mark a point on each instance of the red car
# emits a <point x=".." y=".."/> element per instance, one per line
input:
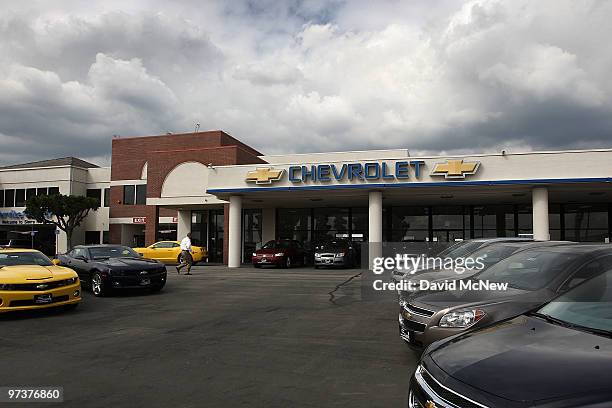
<point x="281" y="252"/>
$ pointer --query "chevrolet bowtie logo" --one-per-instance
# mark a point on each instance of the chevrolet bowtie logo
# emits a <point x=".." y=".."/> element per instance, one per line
<point x="455" y="169"/>
<point x="430" y="404"/>
<point x="264" y="175"/>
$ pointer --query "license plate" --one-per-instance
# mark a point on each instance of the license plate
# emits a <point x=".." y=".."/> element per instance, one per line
<point x="328" y="261"/>
<point x="43" y="299"/>
<point x="145" y="282"/>
<point x="264" y="260"/>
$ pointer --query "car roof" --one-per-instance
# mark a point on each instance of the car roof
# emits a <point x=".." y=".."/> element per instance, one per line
<point x="500" y="239"/>
<point x="578" y="248"/>
<point x="9" y="250"/>
<point x="98" y="246"/>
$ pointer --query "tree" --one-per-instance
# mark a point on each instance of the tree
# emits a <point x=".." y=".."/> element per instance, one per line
<point x="66" y="212"/>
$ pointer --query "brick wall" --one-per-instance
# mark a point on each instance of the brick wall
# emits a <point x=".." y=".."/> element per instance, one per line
<point x="162" y="154"/>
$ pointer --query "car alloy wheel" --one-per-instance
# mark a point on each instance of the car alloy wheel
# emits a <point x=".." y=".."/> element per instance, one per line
<point x="96" y="284"/>
<point x="287" y="262"/>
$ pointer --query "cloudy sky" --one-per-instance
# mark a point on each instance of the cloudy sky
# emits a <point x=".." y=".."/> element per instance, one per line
<point x="303" y="76"/>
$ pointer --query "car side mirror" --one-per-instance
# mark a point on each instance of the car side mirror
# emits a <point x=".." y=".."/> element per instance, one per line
<point x="56" y="262"/>
<point x="140" y="254"/>
<point x="258" y="246"/>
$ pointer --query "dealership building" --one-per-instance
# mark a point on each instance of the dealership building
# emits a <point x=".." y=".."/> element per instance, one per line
<point x="233" y="198"/>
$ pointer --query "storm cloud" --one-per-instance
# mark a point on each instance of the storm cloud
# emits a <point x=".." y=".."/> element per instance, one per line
<point x="305" y="76"/>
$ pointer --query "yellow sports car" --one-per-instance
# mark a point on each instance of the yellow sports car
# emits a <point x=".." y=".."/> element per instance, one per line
<point x="29" y="280"/>
<point x="170" y="252"/>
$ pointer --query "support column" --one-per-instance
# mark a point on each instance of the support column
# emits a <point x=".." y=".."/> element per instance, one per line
<point x="539" y="196"/>
<point x="152" y="214"/>
<point x="375" y="226"/>
<point x="235" y="231"/>
<point x="268" y="227"/>
<point x="183" y="224"/>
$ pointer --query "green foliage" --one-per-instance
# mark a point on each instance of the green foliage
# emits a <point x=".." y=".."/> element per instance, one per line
<point x="66" y="212"/>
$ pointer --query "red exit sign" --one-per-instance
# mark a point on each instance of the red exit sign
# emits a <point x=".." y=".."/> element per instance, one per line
<point x="139" y="220"/>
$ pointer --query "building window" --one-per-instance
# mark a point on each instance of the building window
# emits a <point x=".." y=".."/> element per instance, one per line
<point x="135" y="195"/>
<point x="53" y="190"/>
<point x="107" y="197"/>
<point x="30" y="192"/>
<point x="9" y="198"/>
<point x="141" y="194"/>
<point x="129" y="195"/>
<point x="20" y="197"/>
<point x="105" y="237"/>
<point x="42" y="191"/>
<point x="95" y="193"/>
<point x="92" y="237"/>
<point x="1" y="198"/>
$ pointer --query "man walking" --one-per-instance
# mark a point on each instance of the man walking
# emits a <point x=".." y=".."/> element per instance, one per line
<point x="186" y="258"/>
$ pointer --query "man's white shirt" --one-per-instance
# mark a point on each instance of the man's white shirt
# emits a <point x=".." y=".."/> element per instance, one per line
<point x="186" y="244"/>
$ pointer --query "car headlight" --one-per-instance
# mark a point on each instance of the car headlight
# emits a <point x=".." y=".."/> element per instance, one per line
<point x="461" y="318"/>
<point x="72" y="280"/>
<point x="254" y="253"/>
<point x="318" y="255"/>
<point x="339" y="254"/>
<point x="279" y="254"/>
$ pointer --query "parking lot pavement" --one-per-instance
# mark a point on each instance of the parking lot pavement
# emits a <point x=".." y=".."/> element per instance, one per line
<point x="246" y="337"/>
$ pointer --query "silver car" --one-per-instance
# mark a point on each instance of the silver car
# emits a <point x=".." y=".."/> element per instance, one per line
<point x="533" y="277"/>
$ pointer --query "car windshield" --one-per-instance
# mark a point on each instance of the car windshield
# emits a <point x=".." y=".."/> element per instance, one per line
<point x="459" y="249"/>
<point x="276" y="245"/>
<point x="528" y="270"/>
<point x="588" y="305"/>
<point x="112" y="252"/>
<point x="24" y="258"/>
<point x="492" y="254"/>
<point x="333" y="246"/>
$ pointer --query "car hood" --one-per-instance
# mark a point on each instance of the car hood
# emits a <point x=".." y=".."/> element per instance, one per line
<point x="528" y="359"/>
<point x="129" y="262"/>
<point x="34" y="273"/>
<point x="270" y="251"/>
<point x="443" y="299"/>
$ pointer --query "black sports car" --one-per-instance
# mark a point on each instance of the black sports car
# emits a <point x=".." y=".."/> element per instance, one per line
<point x="107" y="267"/>
<point x="558" y="356"/>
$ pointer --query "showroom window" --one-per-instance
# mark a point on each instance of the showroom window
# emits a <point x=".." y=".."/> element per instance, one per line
<point x="251" y="234"/>
<point x="586" y="222"/>
<point x="53" y="190"/>
<point x="409" y="224"/>
<point x="330" y="223"/>
<point x="106" y="197"/>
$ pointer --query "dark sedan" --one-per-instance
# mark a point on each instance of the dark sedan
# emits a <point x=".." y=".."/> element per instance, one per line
<point x="533" y="277"/>
<point x="558" y="356"/>
<point x="104" y="268"/>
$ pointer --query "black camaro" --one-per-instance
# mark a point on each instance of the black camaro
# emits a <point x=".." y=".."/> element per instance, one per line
<point x="558" y="356"/>
<point x="107" y="267"/>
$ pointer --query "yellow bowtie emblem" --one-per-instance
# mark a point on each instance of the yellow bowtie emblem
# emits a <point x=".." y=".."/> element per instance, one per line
<point x="430" y="404"/>
<point x="265" y="175"/>
<point x="454" y="169"/>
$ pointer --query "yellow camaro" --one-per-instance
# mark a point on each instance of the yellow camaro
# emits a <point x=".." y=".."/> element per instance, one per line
<point x="29" y="280"/>
<point x="170" y="252"/>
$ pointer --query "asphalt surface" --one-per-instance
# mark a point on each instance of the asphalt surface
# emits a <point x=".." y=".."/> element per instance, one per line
<point x="227" y="338"/>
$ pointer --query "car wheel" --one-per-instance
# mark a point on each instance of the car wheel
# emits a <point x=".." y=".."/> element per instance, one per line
<point x="287" y="263"/>
<point x="97" y="285"/>
<point x="180" y="259"/>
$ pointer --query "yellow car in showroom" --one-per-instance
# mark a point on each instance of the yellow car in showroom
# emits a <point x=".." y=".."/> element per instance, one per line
<point x="29" y="280"/>
<point x="170" y="252"/>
